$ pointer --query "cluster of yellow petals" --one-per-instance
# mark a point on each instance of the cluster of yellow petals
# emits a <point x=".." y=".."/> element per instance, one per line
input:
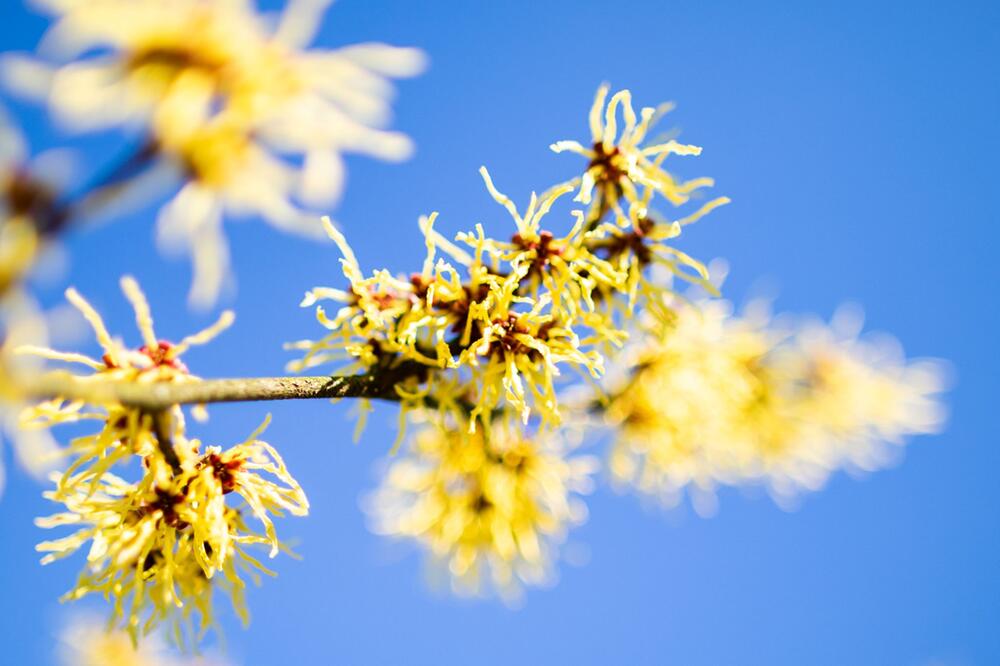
<point x="491" y="507"/>
<point x="156" y="544"/>
<point x="23" y="197"/>
<point x="619" y="165"/>
<point x="87" y="642"/>
<point x="722" y="399"/>
<point x="125" y="431"/>
<point x="490" y="324"/>
<point x="227" y="95"/>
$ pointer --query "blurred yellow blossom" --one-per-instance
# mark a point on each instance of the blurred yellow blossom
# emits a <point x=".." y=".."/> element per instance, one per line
<point x="28" y="207"/>
<point x="86" y="642"/>
<point x="491" y="506"/>
<point x="721" y="399"/>
<point x="36" y="450"/>
<point x="225" y="96"/>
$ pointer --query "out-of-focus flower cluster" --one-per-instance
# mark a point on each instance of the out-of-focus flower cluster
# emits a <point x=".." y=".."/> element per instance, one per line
<point x="155" y="546"/>
<point x="20" y="195"/>
<point x="86" y="642"/>
<point x="26" y="210"/>
<point x="725" y="399"/>
<point x="489" y="324"/>
<point x="233" y="101"/>
<point x="490" y="511"/>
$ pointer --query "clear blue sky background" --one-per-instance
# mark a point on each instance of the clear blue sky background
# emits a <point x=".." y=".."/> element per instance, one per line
<point x="858" y="141"/>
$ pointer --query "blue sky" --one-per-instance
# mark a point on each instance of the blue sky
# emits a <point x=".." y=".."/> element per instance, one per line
<point x="858" y="141"/>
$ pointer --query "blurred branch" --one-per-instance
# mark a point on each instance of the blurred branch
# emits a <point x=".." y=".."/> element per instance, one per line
<point x="163" y="426"/>
<point x="99" y="189"/>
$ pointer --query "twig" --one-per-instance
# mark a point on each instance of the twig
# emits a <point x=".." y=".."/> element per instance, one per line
<point x="155" y="397"/>
<point x="163" y="426"/>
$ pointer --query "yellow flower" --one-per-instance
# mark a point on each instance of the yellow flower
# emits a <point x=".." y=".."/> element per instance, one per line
<point x="18" y="247"/>
<point x="861" y="391"/>
<point x="567" y="268"/>
<point x="156" y="545"/>
<point x="635" y="240"/>
<point x="225" y="169"/>
<point x="380" y="316"/>
<point x="28" y="203"/>
<point x="92" y="645"/>
<point x="638" y="247"/>
<point x="225" y="98"/>
<point x="502" y="319"/>
<point x="618" y="164"/>
<point x="35" y="450"/>
<point x="125" y="431"/>
<point x="730" y="400"/>
<point x="173" y="63"/>
<point x="494" y="341"/>
<point x="86" y="642"/>
<point x="27" y="211"/>
<point x="516" y="348"/>
<point x="492" y="506"/>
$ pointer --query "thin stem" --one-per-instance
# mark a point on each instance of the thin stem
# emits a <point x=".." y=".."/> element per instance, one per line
<point x="163" y="426"/>
<point x="101" y="188"/>
<point x="156" y="397"/>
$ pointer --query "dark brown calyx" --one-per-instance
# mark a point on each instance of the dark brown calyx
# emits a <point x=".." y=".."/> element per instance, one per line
<point x="160" y="356"/>
<point x="481" y="503"/>
<point x="634" y="242"/>
<point x="173" y="58"/>
<point x="605" y="166"/>
<point x="511" y="328"/>
<point x="542" y="246"/>
<point x="166" y="503"/>
<point x="223" y="470"/>
<point x="26" y="195"/>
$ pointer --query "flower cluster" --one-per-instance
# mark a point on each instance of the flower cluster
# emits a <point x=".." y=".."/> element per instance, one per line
<point x="490" y="509"/>
<point x="85" y="642"/>
<point x="36" y="450"/>
<point x="126" y="431"/>
<point x="479" y="346"/>
<point x="28" y="211"/>
<point x="225" y="98"/>
<point x="28" y="206"/>
<point x="156" y="544"/>
<point x="722" y="399"/>
<point x="488" y="325"/>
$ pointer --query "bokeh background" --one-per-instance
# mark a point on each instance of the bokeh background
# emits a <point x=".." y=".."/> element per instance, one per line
<point x="859" y="142"/>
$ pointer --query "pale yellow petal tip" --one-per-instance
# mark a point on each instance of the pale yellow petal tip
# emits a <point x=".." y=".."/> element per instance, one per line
<point x="308" y="300"/>
<point x="331" y="228"/>
<point x="426" y="222"/>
